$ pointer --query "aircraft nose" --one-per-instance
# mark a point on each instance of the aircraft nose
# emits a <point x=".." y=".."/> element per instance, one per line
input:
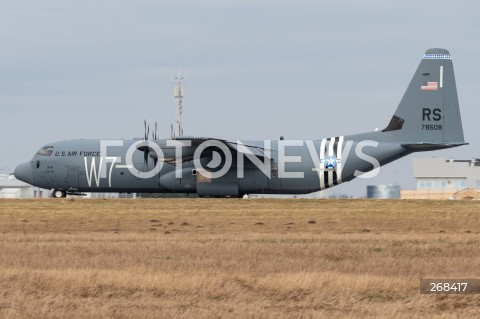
<point x="24" y="173"/>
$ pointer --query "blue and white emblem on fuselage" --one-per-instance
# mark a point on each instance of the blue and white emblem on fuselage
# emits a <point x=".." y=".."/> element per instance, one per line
<point x="330" y="162"/>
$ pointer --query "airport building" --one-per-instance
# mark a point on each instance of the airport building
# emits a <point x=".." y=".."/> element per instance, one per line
<point x="10" y="187"/>
<point x="110" y="195"/>
<point x="440" y="178"/>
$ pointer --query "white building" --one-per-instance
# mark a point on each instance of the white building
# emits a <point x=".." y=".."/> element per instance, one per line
<point x="10" y="187"/>
<point x="440" y="178"/>
<point x="111" y="195"/>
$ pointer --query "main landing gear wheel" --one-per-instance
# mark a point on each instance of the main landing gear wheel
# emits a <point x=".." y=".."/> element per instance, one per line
<point x="59" y="193"/>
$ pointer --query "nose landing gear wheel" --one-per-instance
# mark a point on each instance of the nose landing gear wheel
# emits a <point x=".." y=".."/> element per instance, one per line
<point x="59" y="193"/>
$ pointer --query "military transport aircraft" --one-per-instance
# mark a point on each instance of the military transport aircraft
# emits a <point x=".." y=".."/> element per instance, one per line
<point x="427" y="118"/>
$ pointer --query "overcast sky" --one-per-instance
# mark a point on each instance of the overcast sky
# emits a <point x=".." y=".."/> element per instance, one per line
<point x="253" y="69"/>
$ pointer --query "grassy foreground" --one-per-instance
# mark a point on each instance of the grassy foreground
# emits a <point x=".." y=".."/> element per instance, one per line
<point x="217" y="258"/>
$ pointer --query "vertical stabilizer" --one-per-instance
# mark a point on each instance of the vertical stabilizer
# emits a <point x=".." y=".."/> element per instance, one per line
<point x="429" y="110"/>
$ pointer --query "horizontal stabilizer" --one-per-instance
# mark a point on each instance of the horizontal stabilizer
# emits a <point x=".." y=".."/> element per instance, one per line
<point x="430" y="146"/>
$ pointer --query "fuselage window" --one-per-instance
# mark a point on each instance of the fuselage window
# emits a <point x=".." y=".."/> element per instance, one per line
<point x="45" y="151"/>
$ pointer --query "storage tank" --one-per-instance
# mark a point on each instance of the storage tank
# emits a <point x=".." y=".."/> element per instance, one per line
<point x="383" y="191"/>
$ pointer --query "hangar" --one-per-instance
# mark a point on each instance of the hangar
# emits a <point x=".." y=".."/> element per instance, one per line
<point x="440" y="178"/>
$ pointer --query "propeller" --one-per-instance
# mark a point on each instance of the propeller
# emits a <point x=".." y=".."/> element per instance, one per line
<point x="154" y="133"/>
<point x="146" y="149"/>
<point x="154" y="136"/>
<point x="147" y="130"/>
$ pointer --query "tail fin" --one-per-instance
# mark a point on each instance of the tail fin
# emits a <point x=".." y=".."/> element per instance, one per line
<point x="429" y="112"/>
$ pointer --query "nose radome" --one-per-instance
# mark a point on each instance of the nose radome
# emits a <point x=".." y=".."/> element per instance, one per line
<point x="23" y="172"/>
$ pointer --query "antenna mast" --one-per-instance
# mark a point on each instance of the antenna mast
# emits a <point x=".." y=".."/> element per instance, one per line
<point x="178" y="94"/>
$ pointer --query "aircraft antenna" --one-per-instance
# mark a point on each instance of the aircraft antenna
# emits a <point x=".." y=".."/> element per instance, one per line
<point x="178" y="95"/>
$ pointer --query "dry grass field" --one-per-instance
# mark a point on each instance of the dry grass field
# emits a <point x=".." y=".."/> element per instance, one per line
<point x="217" y="258"/>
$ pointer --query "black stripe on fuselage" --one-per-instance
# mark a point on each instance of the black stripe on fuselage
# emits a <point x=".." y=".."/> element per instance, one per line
<point x="337" y="139"/>
<point x="325" y="172"/>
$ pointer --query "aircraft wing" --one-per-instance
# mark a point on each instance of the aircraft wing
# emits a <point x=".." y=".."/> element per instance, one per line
<point x="233" y="146"/>
<point x="195" y="142"/>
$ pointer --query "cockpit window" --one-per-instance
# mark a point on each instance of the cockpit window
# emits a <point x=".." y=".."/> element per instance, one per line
<point x="45" y="151"/>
